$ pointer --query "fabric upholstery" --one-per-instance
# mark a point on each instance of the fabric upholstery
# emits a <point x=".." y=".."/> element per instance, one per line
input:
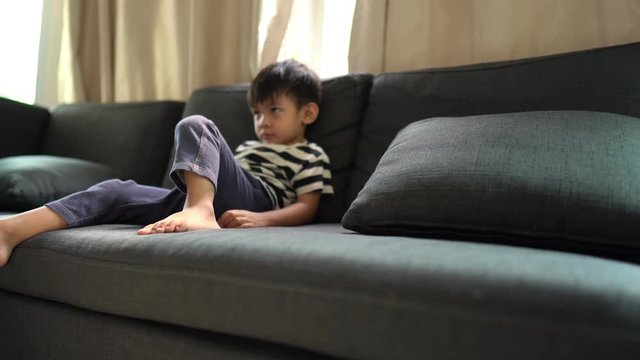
<point x="604" y="79"/>
<point x="21" y="128"/>
<point x="32" y="328"/>
<point x="324" y="289"/>
<point x="552" y="175"/>
<point x="133" y="138"/>
<point x="30" y="181"/>
<point x="336" y="129"/>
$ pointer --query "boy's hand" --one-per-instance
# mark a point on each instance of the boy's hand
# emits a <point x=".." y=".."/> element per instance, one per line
<point x="242" y="219"/>
<point x="298" y="213"/>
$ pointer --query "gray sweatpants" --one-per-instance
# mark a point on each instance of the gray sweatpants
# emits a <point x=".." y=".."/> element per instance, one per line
<point x="201" y="149"/>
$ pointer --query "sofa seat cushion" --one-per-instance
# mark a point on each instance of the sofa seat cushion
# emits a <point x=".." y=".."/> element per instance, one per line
<point x="328" y="290"/>
<point x="30" y="181"/>
<point x="550" y="178"/>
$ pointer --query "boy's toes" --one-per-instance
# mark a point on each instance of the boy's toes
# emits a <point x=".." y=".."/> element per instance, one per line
<point x="146" y="230"/>
<point x="170" y="227"/>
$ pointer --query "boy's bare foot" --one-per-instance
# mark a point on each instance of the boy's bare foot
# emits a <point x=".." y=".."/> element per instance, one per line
<point x="188" y="219"/>
<point x="6" y="245"/>
<point x="5" y="252"/>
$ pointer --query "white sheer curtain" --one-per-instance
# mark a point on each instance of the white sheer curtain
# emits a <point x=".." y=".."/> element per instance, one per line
<point x="20" y="24"/>
<point x="397" y="35"/>
<point x="313" y="32"/>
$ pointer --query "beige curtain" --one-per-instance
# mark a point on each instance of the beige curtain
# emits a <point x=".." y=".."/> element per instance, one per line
<point x="123" y="50"/>
<point x="399" y="35"/>
<point x="126" y="50"/>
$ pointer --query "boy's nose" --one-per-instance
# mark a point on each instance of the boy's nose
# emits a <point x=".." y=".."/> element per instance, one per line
<point x="262" y="121"/>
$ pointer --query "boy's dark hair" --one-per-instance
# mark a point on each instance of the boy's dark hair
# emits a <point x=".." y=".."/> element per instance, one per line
<point x="288" y="77"/>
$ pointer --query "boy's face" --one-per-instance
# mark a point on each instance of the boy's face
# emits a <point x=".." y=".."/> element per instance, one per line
<point x="279" y="121"/>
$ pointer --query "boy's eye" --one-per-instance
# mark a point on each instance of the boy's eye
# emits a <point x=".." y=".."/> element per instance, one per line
<point x="275" y="109"/>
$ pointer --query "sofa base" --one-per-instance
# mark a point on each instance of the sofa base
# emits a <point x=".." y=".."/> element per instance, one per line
<point x="37" y="329"/>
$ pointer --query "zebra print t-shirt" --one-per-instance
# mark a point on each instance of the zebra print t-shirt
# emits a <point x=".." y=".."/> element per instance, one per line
<point x="287" y="171"/>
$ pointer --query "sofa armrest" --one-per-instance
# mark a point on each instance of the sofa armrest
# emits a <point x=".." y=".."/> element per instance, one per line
<point x="135" y="139"/>
<point x="22" y="128"/>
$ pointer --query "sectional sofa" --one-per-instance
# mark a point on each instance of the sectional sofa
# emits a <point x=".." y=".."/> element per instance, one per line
<point x="489" y="211"/>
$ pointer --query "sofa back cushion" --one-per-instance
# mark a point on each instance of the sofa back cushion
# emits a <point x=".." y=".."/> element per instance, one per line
<point x="336" y="129"/>
<point x="21" y="128"/>
<point x="133" y="138"/>
<point x="606" y="80"/>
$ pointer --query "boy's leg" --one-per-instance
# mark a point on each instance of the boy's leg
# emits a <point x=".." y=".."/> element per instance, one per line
<point x="111" y="201"/>
<point x="194" y="172"/>
<point x="202" y="150"/>
<point x="116" y="201"/>
<point x="204" y="158"/>
<point x="16" y="229"/>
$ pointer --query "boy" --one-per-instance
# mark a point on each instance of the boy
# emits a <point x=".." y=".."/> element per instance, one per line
<point x="276" y="181"/>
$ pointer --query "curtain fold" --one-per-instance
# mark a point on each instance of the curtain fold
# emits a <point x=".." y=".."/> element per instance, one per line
<point x="49" y="54"/>
<point x="368" y="36"/>
<point x="119" y="50"/>
<point x="414" y="34"/>
<point x="275" y="32"/>
<point x="70" y="82"/>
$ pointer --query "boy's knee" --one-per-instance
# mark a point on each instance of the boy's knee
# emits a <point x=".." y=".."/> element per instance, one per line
<point x="194" y="122"/>
<point x="194" y="126"/>
<point x="113" y="185"/>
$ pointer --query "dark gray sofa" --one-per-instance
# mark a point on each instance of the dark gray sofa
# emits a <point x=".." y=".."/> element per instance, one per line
<point x="395" y="289"/>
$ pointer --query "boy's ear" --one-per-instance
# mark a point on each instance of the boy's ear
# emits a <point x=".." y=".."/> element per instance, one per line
<point x="310" y="113"/>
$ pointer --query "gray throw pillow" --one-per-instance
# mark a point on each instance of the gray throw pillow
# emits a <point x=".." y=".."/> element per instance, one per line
<point x="30" y="181"/>
<point x="534" y="177"/>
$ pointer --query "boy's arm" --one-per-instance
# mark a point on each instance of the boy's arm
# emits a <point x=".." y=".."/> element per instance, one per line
<point x="301" y="212"/>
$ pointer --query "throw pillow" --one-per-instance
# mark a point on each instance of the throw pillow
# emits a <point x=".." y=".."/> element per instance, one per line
<point x="538" y="177"/>
<point x="30" y="181"/>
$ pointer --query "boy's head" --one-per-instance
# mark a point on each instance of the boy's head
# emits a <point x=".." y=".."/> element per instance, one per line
<point x="284" y="98"/>
<point x="288" y="77"/>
